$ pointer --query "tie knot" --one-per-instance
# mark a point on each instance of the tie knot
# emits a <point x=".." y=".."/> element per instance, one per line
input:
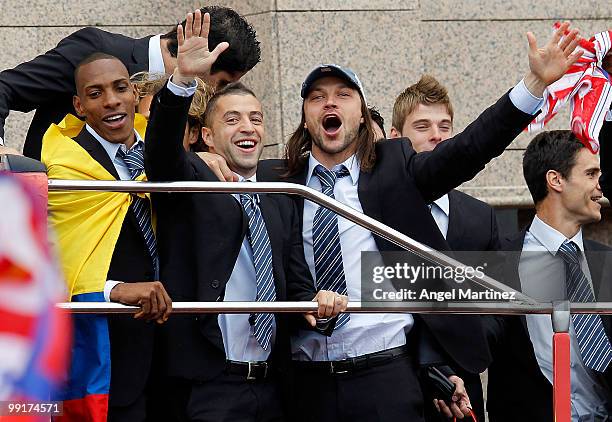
<point x="133" y="159"/>
<point x="570" y="252"/>
<point x="328" y="177"/>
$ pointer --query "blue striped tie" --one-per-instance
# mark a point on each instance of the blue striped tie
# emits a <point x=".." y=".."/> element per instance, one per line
<point x="329" y="267"/>
<point x="134" y="160"/>
<point x="593" y="343"/>
<point x="262" y="259"/>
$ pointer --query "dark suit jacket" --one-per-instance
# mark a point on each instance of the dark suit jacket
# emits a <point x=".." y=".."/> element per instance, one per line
<point x="472" y="225"/>
<point x="200" y="236"/>
<point x="131" y="340"/>
<point x="605" y="155"/>
<point x="46" y="83"/>
<point x="401" y="184"/>
<point x="516" y="383"/>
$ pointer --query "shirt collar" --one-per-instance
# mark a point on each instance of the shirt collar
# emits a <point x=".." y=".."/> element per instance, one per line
<point x="110" y="147"/>
<point x="253" y="178"/>
<point x="550" y="238"/>
<point x="443" y="204"/>
<point x="156" y="60"/>
<point x="352" y="165"/>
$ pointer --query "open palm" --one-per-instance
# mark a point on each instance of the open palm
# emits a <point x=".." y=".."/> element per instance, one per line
<point x="194" y="58"/>
<point x="550" y="62"/>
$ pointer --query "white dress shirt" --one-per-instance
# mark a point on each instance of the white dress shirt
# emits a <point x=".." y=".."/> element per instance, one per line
<point x="238" y="337"/>
<point x="440" y="210"/>
<point x="542" y="276"/>
<point x="156" y="60"/>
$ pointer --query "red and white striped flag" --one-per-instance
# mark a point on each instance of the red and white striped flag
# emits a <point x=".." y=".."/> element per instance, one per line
<point x="587" y="87"/>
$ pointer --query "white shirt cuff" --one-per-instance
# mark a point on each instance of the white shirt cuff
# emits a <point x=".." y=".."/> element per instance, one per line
<point x="108" y="286"/>
<point x="182" y="91"/>
<point x="525" y="100"/>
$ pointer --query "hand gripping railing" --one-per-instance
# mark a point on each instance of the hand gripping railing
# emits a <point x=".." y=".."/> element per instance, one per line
<point x="522" y="304"/>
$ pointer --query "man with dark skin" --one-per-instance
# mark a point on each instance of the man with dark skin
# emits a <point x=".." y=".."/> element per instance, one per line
<point x="106" y="100"/>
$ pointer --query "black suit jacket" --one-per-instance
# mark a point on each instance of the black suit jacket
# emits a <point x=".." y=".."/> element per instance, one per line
<point x="46" y="83"/>
<point x="605" y="155"/>
<point x="131" y="340"/>
<point x="401" y="184"/>
<point x="472" y="225"/>
<point x="200" y="236"/>
<point x="515" y="379"/>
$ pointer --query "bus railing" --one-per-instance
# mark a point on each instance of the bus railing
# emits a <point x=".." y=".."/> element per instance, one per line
<point x="522" y="304"/>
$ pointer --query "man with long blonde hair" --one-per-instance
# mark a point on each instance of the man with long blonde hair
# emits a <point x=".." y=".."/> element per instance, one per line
<point x="333" y="151"/>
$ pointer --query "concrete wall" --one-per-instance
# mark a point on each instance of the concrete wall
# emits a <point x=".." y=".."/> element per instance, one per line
<point x="476" y="47"/>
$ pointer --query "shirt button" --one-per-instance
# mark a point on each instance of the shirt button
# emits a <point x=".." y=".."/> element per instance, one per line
<point x="215" y="284"/>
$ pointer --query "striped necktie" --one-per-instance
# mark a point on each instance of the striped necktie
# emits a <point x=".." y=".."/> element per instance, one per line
<point x="329" y="267"/>
<point x="593" y="343"/>
<point x="134" y="160"/>
<point x="262" y="260"/>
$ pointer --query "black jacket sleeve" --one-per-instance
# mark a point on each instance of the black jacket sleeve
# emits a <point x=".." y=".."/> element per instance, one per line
<point x="165" y="156"/>
<point x="460" y="158"/>
<point x="605" y="155"/>
<point x="47" y="77"/>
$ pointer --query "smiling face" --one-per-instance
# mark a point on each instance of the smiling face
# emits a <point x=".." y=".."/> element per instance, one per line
<point x="332" y="111"/>
<point x="236" y="132"/>
<point x="107" y="100"/>
<point x="427" y="126"/>
<point x="580" y="191"/>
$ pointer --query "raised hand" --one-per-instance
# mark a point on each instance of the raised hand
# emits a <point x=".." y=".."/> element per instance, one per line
<point x="193" y="58"/>
<point x="549" y="63"/>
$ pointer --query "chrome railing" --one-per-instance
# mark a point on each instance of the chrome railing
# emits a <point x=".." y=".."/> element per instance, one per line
<point x="339" y="208"/>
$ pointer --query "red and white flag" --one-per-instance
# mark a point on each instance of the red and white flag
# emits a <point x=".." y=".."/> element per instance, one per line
<point x="34" y="335"/>
<point x="588" y="89"/>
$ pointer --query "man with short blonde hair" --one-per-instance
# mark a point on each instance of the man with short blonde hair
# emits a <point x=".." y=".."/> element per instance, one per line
<point x="423" y="113"/>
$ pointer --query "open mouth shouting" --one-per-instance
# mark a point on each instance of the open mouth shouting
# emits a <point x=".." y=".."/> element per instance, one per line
<point x="115" y="120"/>
<point x="331" y="125"/>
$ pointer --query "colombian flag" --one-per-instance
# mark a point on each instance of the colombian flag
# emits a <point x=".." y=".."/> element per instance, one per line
<point x="87" y="225"/>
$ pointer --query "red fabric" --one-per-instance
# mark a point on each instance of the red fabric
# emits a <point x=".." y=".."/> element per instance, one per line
<point x="587" y="87"/>
<point x="92" y="408"/>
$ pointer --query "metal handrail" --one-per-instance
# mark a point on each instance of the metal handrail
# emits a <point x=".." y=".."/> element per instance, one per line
<point x="493" y="308"/>
<point x="315" y="196"/>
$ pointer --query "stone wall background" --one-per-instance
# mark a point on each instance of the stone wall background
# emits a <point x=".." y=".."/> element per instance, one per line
<point x="477" y="48"/>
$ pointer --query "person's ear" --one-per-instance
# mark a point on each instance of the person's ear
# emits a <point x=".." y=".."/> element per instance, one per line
<point x="207" y="137"/>
<point x="395" y="133"/>
<point x="554" y="181"/>
<point x="192" y="136"/>
<point x="78" y="107"/>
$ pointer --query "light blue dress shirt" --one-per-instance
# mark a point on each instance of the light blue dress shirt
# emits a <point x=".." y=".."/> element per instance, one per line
<point x="238" y="340"/>
<point x="542" y="276"/>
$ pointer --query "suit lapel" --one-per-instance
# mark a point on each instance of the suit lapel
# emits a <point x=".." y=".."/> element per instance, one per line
<point x="97" y="151"/>
<point x="455" y="213"/>
<point x="512" y="256"/>
<point x="300" y="179"/>
<point x="368" y="195"/>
